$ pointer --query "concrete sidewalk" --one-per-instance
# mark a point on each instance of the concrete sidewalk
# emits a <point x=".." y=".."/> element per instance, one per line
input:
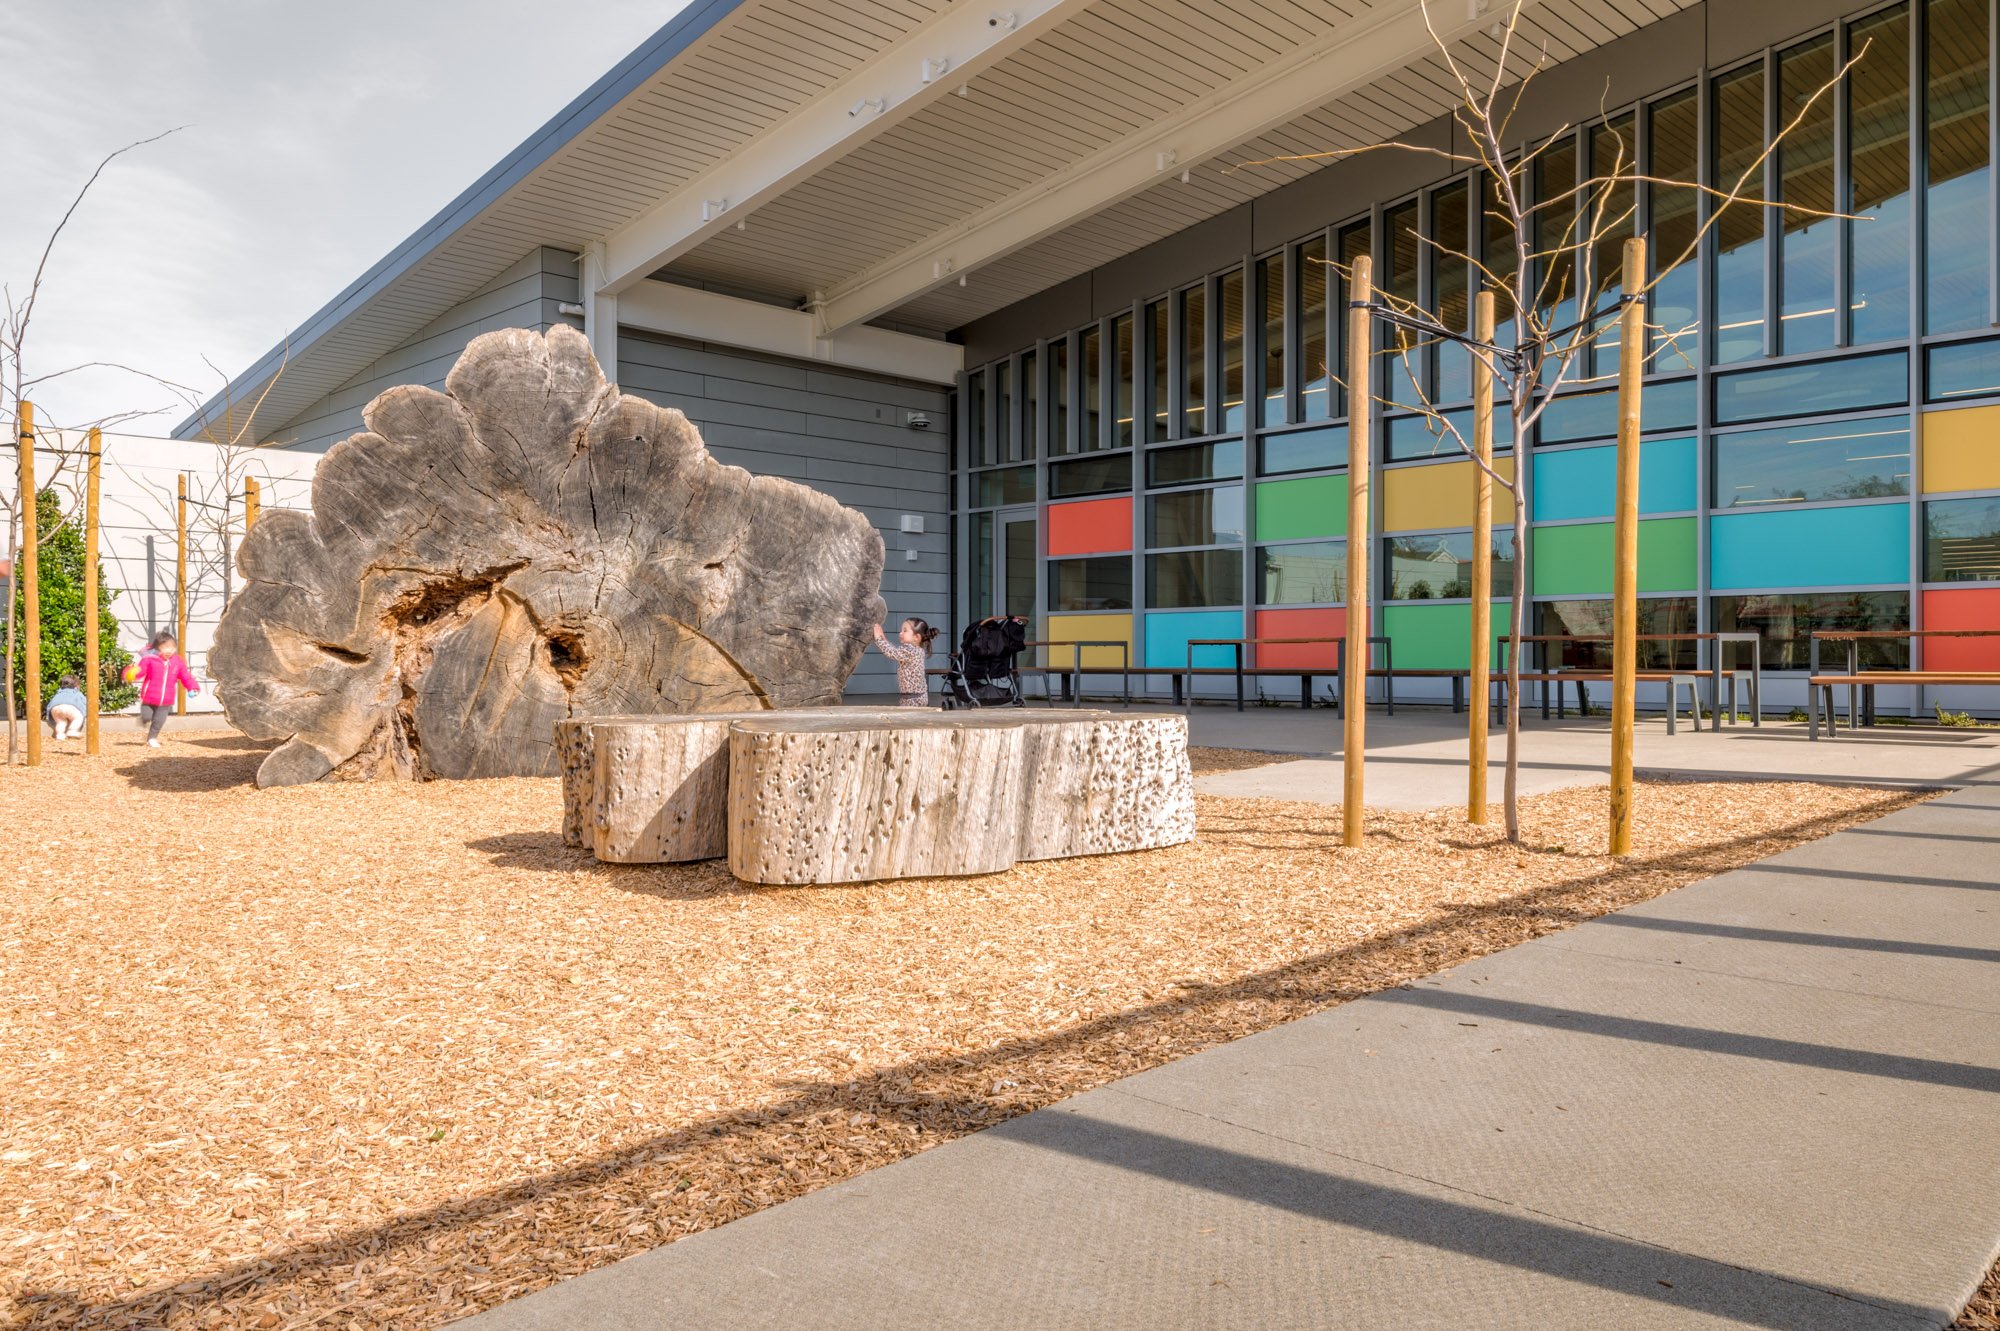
<point x="1416" y="759"/>
<point x="1771" y="1099"/>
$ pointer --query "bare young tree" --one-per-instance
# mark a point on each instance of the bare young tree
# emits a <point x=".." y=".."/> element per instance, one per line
<point x="1551" y="259"/>
<point x="15" y="386"/>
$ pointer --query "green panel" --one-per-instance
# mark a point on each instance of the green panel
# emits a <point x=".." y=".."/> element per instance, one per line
<point x="1309" y="506"/>
<point x="1436" y="637"/>
<point x="1576" y="560"/>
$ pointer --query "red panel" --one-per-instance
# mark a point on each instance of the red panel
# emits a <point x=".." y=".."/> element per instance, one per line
<point x="1968" y="609"/>
<point x="1091" y="527"/>
<point x="1299" y="624"/>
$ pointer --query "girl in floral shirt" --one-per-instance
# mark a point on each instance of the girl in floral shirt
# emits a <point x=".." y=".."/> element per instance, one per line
<point x="910" y="649"/>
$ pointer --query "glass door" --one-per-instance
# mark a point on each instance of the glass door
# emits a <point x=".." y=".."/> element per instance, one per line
<point x="1015" y="564"/>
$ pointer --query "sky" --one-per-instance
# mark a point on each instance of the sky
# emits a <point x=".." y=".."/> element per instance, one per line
<point x="318" y="135"/>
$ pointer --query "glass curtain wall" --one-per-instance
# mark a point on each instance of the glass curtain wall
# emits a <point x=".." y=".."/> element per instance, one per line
<point x="1788" y="435"/>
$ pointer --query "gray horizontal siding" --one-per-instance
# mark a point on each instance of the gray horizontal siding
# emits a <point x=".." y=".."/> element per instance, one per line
<point x="839" y="432"/>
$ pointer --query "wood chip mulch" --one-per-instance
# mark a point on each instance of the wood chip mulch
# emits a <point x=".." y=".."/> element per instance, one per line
<point x="382" y="1056"/>
<point x="1207" y="761"/>
<point x="1983" y="1313"/>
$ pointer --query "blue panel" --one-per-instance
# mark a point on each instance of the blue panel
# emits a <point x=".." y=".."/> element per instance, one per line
<point x="1811" y="547"/>
<point x="1577" y="482"/>
<point x="1168" y="632"/>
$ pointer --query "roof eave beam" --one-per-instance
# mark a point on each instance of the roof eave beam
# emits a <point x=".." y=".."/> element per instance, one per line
<point x="930" y="62"/>
<point x="707" y="316"/>
<point x="1351" y="56"/>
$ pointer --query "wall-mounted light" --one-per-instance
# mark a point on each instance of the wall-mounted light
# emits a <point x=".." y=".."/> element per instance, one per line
<point x="713" y="208"/>
<point x="935" y="67"/>
<point x="1165" y="158"/>
<point x="941" y="270"/>
<point x="1005" y="21"/>
<point x="872" y="105"/>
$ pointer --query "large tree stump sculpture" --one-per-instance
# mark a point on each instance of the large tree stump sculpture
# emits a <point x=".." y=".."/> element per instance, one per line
<point x="528" y="546"/>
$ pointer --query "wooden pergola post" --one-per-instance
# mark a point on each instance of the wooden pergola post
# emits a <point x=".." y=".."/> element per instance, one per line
<point x="1479" y="686"/>
<point x="92" y="668"/>
<point x="180" y="587"/>
<point x="1354" y="679"/>
<point x="30" y="575"/>
<point x="1625" y="547"/>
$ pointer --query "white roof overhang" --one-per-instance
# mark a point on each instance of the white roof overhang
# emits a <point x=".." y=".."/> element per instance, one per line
<point x="817" y="154"/>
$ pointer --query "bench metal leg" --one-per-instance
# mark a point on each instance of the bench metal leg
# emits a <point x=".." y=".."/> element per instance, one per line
<point x="1457" y="695"/>
<point x="1812" y="712"/>
<point x="1177" y="691"/>
<point x="1673" y="708"/>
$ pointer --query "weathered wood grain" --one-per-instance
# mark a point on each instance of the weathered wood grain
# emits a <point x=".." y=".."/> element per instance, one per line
<point x="835" y="799"/>
<point x="527" y="547"/>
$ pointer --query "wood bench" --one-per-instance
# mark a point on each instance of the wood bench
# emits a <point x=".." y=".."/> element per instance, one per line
<point x="837" y="795"/>
<point x="1819" y="689"/>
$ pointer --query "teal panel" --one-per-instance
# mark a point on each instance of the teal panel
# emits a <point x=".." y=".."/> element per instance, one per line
<point x="1168" y="632"/>
<point x="1577" y="482"/>
<point x="1810" y="547"/>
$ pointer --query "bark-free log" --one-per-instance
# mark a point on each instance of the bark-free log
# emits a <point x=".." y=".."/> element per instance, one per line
<point x="526" y="547"/>
<point x="651" y="789"/>
<point x="829" y="799"/>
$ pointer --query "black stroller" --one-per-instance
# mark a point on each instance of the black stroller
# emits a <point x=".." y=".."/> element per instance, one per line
<point x="982" y="671"/>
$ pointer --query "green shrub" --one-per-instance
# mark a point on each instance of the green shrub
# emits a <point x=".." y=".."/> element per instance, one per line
<point x="61" y="571"/>
<point x="1953" y="718"/>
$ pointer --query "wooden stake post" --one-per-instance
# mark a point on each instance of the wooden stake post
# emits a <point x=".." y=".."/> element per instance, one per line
<point x="91" y="666"/>
<point x="1354" y="680"/>
<point x="31" y="585"/>
<point x="1482" y="562"/>
<point x="252" y="493"/>
<point x="1625" y="549"/>
<point x="181" y="588"/>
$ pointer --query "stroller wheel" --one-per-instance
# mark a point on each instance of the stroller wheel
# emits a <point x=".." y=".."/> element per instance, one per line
<point x="948" y="704"/>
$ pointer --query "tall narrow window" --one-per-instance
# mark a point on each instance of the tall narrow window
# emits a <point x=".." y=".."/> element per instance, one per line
<point x="1498" y="251"/>
<point x="1609" y="199"/>
<point x="1031" y="405"/>
<point x="1229" y="304"/>
<point x="1878" y="177"/>
<point x="975" y="419"/>
<point x="1672" y="125"/>
<point x="1059" y="441"/>
<point x="1739" y="233"/>
<point x="1400" y="263"/>
<point x="1093" y="391"/>
<point x="1807" y="248"/>
<point x="1194" y="361"/>
<point x="1957" y="216"/>
<point x="1271" y="302"/>
<point x="1357" y="240"/>
<point x="1315" y="370"/>
<point x="1157" y="341"/>
<point x="1555" y="234"/>
<point x="1450" y="290"/>
<point x="1122" y="431"/>
<point x="1005" y="441"/>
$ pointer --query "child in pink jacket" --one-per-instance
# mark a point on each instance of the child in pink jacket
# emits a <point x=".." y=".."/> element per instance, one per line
<point x="159" y="671"/>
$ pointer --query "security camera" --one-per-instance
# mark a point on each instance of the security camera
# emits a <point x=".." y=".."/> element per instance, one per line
<point x="918" y="420"/>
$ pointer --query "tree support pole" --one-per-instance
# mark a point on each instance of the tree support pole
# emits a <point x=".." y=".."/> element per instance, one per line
<point x="92" y="669"/>
<point x="1354" y="678"/>
<point x="252" y="500"/>
<point x="181" y="588"/>
<point x="1625" y="552"/>
<point x="1482" y="562"/>
<point x="31" y="585"/>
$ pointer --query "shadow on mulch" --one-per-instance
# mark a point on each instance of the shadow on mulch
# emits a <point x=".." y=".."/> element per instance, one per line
<point x="175" y="774"/>
<point x="546" y="853"/>
<point x="232" y="744"/>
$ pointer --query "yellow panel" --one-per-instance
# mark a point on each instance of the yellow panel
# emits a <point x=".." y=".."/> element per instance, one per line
<point x="1962" y="449"/>
<point x="1088" y="628"/>
<point x="1438" y="494"/>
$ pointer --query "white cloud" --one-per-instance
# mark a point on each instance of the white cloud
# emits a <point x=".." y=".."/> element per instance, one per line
<point x="318" y="137"/>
